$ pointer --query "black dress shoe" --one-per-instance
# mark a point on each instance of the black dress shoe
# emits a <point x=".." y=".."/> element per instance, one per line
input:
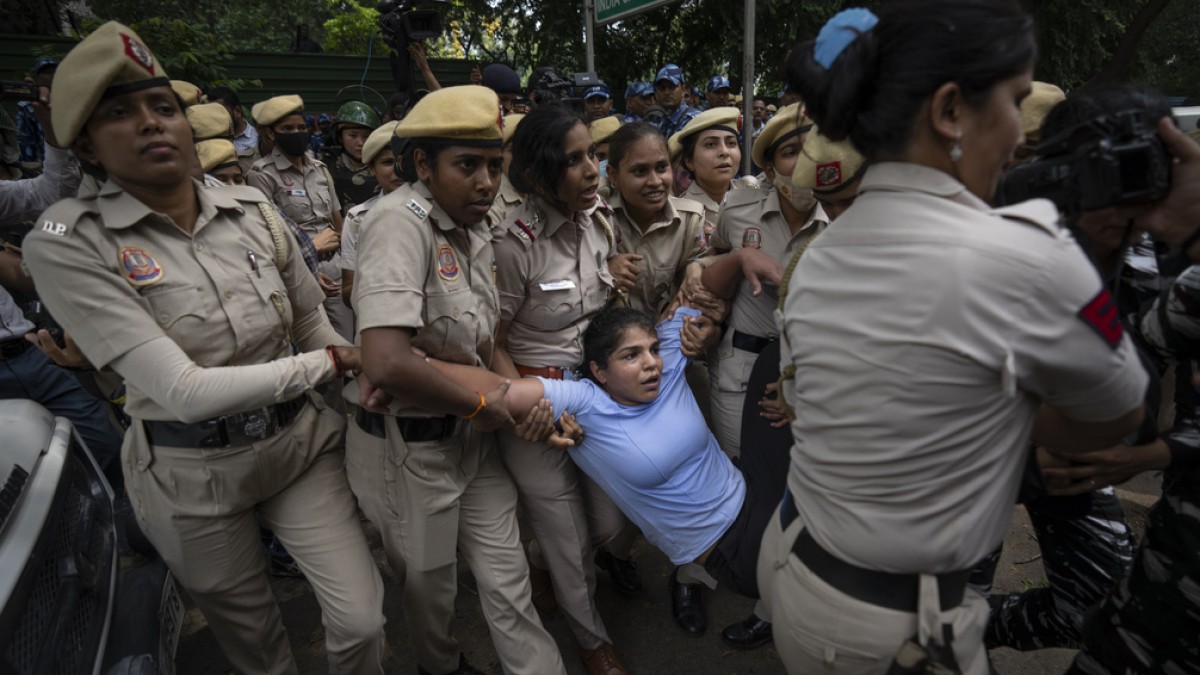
<point x="687" y="606"/>
<point x="623" y="572"/>
<point x="750" y="633"/>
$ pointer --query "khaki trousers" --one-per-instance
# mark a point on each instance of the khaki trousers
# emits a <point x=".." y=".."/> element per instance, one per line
<point x="198" y="507"/>
<point x="427" y="499"/>
<point x="570" y="517"/>
<point x="729" y="372"/>
<point x="819" y="629"/>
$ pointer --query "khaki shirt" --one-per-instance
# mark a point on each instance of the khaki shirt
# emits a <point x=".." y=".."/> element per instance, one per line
<point x="507" y="201"/>
<point x="354" y="218"/>
<point x="246" y="159"/>
<point x="666" y="247"/>
<point x="925" y="329"/>
<point x="117" y="275"/>
<point x="307" y="197"/>
<point x="751" y="218"/>
<point x="418" y="269"/>
<point x="553" y="277"/>
<point x="712" y="210"/>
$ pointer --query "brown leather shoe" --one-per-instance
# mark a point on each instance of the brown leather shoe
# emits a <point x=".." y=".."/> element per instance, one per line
<point x="542" y="587"/>
<point x="603" y="661"/>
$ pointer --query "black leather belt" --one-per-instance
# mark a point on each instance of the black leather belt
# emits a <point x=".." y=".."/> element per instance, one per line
<point x="412" y="429"/>
<point x="749" y="343"/>
<point x="228" y="430"/>
<point x="885" y="589"/>
<point x="11" y="349"/>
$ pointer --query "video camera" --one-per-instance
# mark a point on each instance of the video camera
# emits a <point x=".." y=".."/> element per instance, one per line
<point x="1112" y="160"/>
<point x="402" y="18"/>
<point x="548" y="84"/>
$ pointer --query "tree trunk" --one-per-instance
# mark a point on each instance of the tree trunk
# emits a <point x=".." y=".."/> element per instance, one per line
<point x="1117" y="69"/>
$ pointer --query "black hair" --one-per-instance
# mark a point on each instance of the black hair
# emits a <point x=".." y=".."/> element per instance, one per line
<point x="398" y="98"/>
<point x="628" y="136"/>
<point x="404" y="150"/>
<point x="539" y="158"/>
<point x="1088" y="104"/>
<point x="224" y="95"/>
<point x="604" y="333"/>
<point x="873" y="90"/>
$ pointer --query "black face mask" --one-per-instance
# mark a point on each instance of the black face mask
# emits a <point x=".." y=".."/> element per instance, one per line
<point x="293" y="144"/>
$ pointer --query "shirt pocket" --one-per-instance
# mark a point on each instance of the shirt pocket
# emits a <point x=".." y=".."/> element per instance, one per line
<point x="595" y="296"/>
<point x="298" y="208"/>
<point x="452" y="325"/>
<point x="178" y="310"/>
<point x="662" y="280"/>
<point x="269" y="313"/>
<point x="552" y="310"/>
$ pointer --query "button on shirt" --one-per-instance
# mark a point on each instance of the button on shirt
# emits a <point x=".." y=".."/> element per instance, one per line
<point x="753" y="219"/>
<point x="553" y="277"/>
<point x="666" y="247"/>
<point x="123" y="275"/>
<point x="418" y="269"/>
<point x="925" y="330"/>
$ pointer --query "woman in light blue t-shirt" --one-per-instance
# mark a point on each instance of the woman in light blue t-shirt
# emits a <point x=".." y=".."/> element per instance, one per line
<point x="646" y="443"/>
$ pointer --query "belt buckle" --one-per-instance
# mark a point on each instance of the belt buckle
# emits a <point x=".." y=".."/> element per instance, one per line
<point x="255" y="424"/>
<point x="571" y="375"/>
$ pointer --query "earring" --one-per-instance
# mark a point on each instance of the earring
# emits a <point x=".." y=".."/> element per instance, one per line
<point x="956" y="149"/>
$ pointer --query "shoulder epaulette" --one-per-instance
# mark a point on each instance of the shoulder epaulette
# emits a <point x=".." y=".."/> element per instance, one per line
<point x="61" y="217"/>
<point x="744" y="197"/>
<point x="244" y="193"/>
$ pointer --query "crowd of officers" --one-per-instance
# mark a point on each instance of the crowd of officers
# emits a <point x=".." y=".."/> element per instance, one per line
<point x="233" y="292"/>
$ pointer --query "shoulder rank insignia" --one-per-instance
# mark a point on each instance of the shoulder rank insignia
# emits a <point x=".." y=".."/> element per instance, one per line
<point x="54" y="228"/>
<point x="524" y="232"/>
<point x="417" y="209"/>
<point x="141" y="269"/>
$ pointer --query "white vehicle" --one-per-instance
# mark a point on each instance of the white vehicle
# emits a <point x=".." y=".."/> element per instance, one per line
<point x="75" y="596"/>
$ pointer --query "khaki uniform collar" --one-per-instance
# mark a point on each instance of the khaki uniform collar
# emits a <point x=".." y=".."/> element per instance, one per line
<point x="282" y="162"/>
<point x="672" y="217"/>
<point x="120" y="210"/>
<point x="507" y="192"/>
<point x="906" y="177"/>
<point x="551" y="216"/>
<point x="437" y="215"/>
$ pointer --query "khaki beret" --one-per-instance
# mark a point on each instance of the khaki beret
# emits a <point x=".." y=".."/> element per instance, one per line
<point x="603" y="128"/>
<point x="210" y="120"/>
<point x="379" y="139"/>
<point x="216" y="153"/>
<point x="189" y="93"/>
<point x="1036" y="106"/>
<point x="825" y="166"/>
<point x="111" y="61"/>
<point x="510" y="126"/>
<point x="467" y="114"/>
<point x="272" y="110"/>
<point x="778" y="129"/>
<point x="730" y="118"/>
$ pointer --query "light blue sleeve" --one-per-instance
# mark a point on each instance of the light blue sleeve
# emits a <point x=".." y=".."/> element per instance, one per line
<point x="669" y="342"/>
<point x="574" y="397"/>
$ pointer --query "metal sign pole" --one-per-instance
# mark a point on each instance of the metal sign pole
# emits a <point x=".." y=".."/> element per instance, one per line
<point x="589" y="35"/>
<point x="748" y="87"/>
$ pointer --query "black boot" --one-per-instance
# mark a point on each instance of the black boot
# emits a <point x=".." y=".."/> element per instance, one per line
<point x="464" y="668"/>
<point x="687" y="606"/>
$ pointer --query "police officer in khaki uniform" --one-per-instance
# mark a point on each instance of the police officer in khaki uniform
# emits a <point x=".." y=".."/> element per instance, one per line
<point x="377" y="156"/>
<point x="931" y="335"/>
<point x="659" y="234"/>
<point x="832" y="170"/>
<point x="431" y="482"/>
<point x="602" y="130"/>
<point x="757" y="224"/>
<point x="302" y="188"/>
<point x="507" y="199"/>
<point x="183" y="292"/>
<point x="552" y="274"/>
<point x="708" y="148"/>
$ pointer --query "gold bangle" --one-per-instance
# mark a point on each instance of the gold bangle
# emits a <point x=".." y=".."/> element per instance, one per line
<point x="482" y="405"/>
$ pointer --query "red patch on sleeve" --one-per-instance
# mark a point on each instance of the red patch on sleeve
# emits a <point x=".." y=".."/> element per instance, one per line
<point x="1101" y="314"/>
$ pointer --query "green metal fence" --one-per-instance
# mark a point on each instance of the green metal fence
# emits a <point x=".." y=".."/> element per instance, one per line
<point x="316" y="77"/>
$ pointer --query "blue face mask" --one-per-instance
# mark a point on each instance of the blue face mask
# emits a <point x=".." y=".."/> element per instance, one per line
<point x="604" y="167"/>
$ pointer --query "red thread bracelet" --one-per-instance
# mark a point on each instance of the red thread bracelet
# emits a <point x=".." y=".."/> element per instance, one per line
<point x="339" y="368"/>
